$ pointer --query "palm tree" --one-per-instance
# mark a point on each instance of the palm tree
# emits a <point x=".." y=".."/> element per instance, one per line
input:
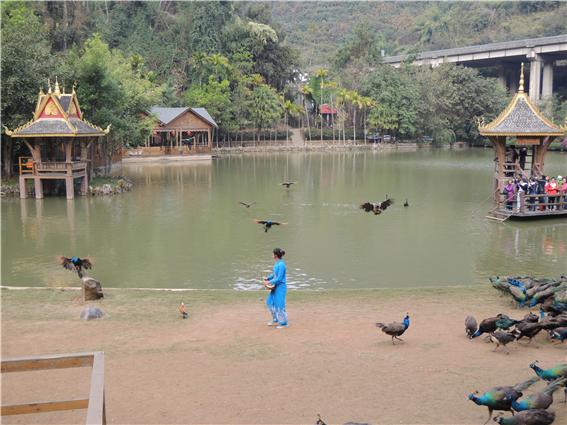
<point x="290" y="109"/>
<point x="332" y="86"/>
<point x="357" y="103"/>
<point x="219" y="63"/>
<point x="307" y="92"/>
<point x="320" y="74"/>
<point x="367" y="102"/>
<point x="199" y="61"/>
<point x="343" y="97"/>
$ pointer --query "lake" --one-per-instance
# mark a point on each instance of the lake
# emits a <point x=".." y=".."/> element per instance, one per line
<point x="182" y="225"/>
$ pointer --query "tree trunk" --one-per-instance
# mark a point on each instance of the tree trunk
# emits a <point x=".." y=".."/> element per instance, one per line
<point x="354" y="125"/>
<point x="8" y="151"/>
<point x="65" y="26"/>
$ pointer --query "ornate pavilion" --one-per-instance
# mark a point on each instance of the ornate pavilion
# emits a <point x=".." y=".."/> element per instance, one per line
<point x="59" y="139"/>
<point x="523" y="120"/>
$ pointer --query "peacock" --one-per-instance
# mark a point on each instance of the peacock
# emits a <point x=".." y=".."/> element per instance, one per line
<point x="502" y="338"/>
<point x="488" y="325"/>
<point x="76" y="264"/>
<point x="287" y="184"/>
<point x="541" y="400"/>
<point x="267" y="224"/>
<point x="247" y="204"/>
<point x="528" y="330"/>
<point x="559" y="334"/>
<point x="377" y="208"/>
<point x="319" y="420"/>
<point x="500" y="398"/>
<point x="395" y="329"/>
<point x="505" y="322"/>
<point x="555" y="372"/>
<point x="528" y="417"/>
<point x="470" y="326"/>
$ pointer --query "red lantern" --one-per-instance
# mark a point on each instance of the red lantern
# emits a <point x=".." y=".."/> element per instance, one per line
<point x="189" y="133"/>
<point x="172" y="133"/>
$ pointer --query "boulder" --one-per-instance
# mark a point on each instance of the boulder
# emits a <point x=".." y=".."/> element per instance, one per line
<point x="91" y="313"/>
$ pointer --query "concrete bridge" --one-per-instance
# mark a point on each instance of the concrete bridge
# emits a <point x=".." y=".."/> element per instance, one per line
<point x="542" y="54"/>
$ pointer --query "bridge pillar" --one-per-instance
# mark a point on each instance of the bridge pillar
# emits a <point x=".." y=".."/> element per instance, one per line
<point x="535" y="76"/>
<point x="547" y="86"/>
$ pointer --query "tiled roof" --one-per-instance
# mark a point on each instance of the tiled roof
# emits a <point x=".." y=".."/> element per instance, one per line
<point x="202" y="112"/>
<point x="46" y="126"/>
<point x="166" y="115"/>
<point x="522" y="118"/>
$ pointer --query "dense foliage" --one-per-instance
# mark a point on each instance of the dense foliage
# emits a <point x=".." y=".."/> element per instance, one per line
<point x="243" y="61"/>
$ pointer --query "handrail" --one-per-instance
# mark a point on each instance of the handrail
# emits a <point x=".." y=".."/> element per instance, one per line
<point x="95" y="404"/>
<point x="25" y="165"/>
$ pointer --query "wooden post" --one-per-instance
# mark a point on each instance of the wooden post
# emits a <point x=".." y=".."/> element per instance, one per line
<point x="69" y="189"/>
<point x="522" y="206"/>
<point x="38" y="187"/>
<point x="85" y="185"/>
<point x="23" y="188"/>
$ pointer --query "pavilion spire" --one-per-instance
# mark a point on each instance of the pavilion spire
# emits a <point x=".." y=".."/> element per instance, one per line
<point x="48" y="85"/>
<point x="56" y="92"/>
<point x="521" y="86"/>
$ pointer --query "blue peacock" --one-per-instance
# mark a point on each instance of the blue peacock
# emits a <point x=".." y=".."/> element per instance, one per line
<point x="500" y="398"/>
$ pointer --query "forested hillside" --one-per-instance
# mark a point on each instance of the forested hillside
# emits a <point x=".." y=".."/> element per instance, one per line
<point x="318" y="29"/>
<point x="242" y="61"/>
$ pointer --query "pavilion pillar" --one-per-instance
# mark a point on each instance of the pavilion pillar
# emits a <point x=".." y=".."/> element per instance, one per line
<point x="23" y="188"/>
<point x="547" y="86"/>
<point x="85" y="185"/>
<point x="38" y="187"/>
<point x="209" y="139"/>
<point x="69" y="188"/>
<point x="535" y="76"/>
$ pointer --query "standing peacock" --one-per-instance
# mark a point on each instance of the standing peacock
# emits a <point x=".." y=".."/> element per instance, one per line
<point x="555" y="372"/>
<point x="500" y="398"/>
<point x="470" y="326"/>
<point x="541" y="400"/>
<point x="395" y="329"/>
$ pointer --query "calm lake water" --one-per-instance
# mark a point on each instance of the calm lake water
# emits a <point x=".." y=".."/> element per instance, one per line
<point x="182" y="226"/>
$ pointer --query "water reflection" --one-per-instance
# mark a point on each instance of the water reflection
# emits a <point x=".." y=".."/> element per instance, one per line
<point x="182" y="225"/>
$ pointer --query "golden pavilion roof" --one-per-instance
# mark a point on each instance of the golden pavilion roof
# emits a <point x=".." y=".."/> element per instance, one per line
<point x="521" y="118"/>
<point x="57" y="114"/>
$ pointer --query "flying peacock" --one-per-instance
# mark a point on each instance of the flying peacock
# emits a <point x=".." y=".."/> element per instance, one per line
<point x="76" y="264"/>
<point x="377" y="208"/>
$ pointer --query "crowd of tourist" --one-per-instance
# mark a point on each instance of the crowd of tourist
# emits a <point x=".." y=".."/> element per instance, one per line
<point x="536" y="193"/>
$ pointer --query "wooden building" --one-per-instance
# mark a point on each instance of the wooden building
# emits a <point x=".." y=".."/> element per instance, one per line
<point x="328" y="114"/>
<point x="523" y="121"/>
<point x="59" y="140"/>
<point x="179" y="131"/>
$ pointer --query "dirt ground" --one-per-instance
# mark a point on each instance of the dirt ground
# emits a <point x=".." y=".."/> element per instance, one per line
<point x="225" y="366"/>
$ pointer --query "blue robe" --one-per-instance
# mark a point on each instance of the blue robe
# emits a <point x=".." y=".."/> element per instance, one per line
<point x="276" y="298"/>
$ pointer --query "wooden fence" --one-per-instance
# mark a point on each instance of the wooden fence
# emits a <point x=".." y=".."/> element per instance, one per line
<point x="96" y="410"/>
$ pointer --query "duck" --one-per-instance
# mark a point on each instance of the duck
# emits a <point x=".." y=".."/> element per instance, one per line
<point x="246" y="204"/>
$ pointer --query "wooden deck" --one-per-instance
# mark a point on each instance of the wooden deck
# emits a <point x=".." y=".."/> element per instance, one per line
<point x="529" y="207"/>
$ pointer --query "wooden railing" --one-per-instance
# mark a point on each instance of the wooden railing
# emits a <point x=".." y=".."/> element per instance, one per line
<point x="95" y="405"/>
<point x="25" y="165"/>
<point x="533" y="204"/>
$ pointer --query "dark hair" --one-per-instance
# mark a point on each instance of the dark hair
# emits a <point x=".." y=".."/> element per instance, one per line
<point x="279" y="252"/>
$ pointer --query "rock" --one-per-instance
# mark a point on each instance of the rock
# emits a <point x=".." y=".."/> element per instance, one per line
<point x="92" y="289"/>
<point x="91" y="313"/>
<point x="106" y="189"/>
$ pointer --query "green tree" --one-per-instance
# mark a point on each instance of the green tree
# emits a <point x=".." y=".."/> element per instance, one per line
<point x="265" y="108"/>
<point x="25" y="65"/>
<point x="114" y="89"/>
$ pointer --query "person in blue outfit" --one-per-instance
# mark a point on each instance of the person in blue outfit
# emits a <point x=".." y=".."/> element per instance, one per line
<point x="276" y="284"/>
